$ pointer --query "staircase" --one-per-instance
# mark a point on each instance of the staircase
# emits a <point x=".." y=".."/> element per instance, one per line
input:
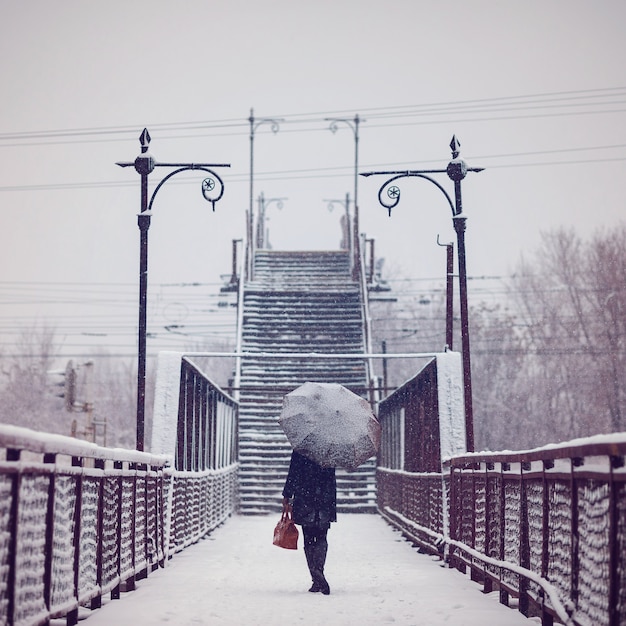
<point x="298" y="302"/>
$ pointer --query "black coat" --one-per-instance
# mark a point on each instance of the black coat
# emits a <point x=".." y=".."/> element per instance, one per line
<point x="313" y="489"/>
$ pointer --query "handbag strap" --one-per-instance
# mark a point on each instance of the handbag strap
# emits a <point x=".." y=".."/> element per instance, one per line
<point x="287" y="513"/>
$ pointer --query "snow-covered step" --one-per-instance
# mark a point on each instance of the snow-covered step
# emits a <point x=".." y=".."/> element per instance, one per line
<point x="301" y="302"/>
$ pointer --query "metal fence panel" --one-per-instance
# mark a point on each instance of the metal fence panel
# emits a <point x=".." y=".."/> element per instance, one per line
<point x="78" y="521"/>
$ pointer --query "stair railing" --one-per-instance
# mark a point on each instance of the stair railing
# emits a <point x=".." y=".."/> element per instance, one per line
<point x="248" y="246"/>
<point x="239" y="331"/>
<point x="367" y="326"/>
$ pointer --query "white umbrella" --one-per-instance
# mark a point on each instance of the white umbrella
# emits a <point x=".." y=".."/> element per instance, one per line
<point x="330" y="425"/>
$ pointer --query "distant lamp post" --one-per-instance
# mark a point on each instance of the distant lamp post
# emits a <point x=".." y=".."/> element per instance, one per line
<point x="389" y="197"/>
<point x="212" y="190"/>
<point x="262" y="240"/>
<point x="346" y="230"/>
<point x="254" y="124"/>
<point x="353" y="124"/>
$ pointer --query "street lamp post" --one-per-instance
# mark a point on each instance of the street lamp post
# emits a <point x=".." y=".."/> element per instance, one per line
<point x="346" y="206"/>
<point x="353" y="124"/>
<point x="261" y="238"/>
<point x="389" y="197"/>
<point x="254" y="124"/>
<point x="212" y="190"/>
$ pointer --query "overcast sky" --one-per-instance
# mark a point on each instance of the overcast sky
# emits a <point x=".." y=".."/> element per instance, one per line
<point x="535" y="91"/>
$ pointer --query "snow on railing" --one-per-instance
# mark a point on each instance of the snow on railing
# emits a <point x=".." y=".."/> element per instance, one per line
<point x="421" y="422"/>
<point x="196" y="423"/>
<point x="545" y="526"/>
<point x="554" y="518"/>
<point x="78" y="521"/>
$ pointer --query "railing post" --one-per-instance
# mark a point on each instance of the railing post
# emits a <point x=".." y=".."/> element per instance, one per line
<point x="504" y="595"/>
<point x="524" y="548"/>
<point x="574" y="462"/>
<point x="145" y="481"/>
<point x="160" y="519"/>
<point x="546" y="617"/>
<point x="13" y="455"/>
<point x="487" y="580"/>
<point x="117" y="465"/>
<point x="100" y="464"/>
<point x="474" y="573"/>
<point x="614" y="549"/>
<point x="49" y="459"/>
<point x="72" y="616"/>
<point x="130" y="582"/>
<point x="453" y="517"/>
<point x="78" y="526"/>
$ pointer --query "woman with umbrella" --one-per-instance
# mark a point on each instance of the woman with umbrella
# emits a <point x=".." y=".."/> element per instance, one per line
<point x="328" y="426"/>
<point x="313" y="490"/>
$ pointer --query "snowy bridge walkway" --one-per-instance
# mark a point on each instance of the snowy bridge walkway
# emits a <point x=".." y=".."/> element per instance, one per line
<point x="235" y="576"/>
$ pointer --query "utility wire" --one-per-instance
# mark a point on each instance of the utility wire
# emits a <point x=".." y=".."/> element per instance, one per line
<point x="486" y="105"/>
<point x="336" y="172"/>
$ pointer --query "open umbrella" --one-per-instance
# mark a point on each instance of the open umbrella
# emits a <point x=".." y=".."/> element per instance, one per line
<point x="330" y="425"/>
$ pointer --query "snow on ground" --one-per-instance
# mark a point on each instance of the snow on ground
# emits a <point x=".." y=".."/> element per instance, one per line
<point x="236" y="577"/>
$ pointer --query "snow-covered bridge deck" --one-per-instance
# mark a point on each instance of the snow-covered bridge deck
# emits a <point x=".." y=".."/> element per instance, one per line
<point x="236" y="576"/>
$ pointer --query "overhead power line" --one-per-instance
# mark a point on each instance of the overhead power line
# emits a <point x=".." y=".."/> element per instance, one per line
<point x="564" y="100"/>
<point x="341" y="171"/>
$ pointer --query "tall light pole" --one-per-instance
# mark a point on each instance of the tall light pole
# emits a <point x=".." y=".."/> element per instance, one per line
<point x="254" y="124"/>
<point x="212" y="190"/>
<point x="353" y="124"/>
<point x="389" y="197"/>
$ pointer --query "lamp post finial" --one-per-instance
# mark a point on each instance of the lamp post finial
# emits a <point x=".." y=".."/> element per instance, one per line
<point x="455" y="146"/>
<point x="144" y="140"/>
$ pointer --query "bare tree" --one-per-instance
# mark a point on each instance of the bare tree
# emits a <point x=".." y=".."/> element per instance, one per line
<point x="500" y="397"/>
<point x="412" y="324"/>
<point x="27" y="397"/>
<point x="548" y="363"/>
<point x="606" y="269"/>
<point x="571" y="300"/>
<point x="115" y="400"/>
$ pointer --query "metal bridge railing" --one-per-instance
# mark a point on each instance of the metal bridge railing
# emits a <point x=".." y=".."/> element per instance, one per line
<point x="421" y="422"/>
<point x="545" y="526"/>
<point x="78" y="521"/>
<point x="205" y="480"/>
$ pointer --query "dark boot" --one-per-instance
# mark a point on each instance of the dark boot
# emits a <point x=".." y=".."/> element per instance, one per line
<point x="315" y="549"/>
<point x="309" y="550"/>
<point x="320" y="548"/>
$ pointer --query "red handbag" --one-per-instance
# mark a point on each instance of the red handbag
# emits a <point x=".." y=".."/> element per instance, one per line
<point x="285" y="532"/>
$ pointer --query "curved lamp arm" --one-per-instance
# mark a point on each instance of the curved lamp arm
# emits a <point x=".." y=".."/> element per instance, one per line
<point x="212" y="186"/>
<point x="389" y="194"/>
<point x="352" y="124"/>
